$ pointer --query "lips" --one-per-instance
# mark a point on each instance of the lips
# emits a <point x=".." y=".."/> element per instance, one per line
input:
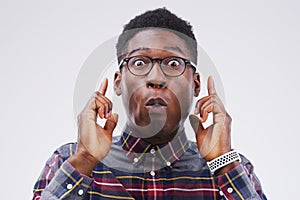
<point x="156" y="102"/>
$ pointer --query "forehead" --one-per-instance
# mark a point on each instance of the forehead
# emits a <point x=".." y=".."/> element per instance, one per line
<point x="157" y="41"/>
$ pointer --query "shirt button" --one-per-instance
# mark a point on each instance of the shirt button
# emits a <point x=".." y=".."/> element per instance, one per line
<point x="168" y="164"/>
<point x="229" y="190"/>
<point x="135" y="160"/>
<point x="152" y="151"/>
<point x="69" y="186"/>
<point x="221" y="193"/>
<point x="152" y="173"/>
<point x="80" y="192"/>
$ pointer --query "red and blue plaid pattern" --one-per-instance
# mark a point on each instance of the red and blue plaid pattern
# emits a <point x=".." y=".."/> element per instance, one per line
<point x="187" y="177"/>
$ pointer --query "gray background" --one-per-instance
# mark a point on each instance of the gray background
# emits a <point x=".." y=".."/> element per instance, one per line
<point x="254" y="45"/>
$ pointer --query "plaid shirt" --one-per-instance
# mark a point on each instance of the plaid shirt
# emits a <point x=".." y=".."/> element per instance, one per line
<point x="136" y="169"/>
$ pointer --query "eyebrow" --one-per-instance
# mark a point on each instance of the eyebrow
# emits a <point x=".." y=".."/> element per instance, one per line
<point x="175" y="49"/>
<point x="165" y="48"/>
<point x="138" y="49"/>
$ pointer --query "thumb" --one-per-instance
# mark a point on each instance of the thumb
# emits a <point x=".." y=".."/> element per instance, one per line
<point x="111" y="122"/>
<point x="196" y="124"/>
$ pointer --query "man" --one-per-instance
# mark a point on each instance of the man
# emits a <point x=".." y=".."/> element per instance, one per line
<point x="152" y="159"/>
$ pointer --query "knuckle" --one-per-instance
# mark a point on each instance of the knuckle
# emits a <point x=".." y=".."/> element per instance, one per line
<point x="97" y="93"/>
<point x="105" y="105"/>
<point x="101" y="107"/>
<point x="228" y="117"/>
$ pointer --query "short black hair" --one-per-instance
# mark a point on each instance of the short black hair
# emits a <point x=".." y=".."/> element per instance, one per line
<point x="158" y="18"/>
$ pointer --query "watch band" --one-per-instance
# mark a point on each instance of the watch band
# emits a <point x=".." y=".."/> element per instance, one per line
<point x="223" y="160"/>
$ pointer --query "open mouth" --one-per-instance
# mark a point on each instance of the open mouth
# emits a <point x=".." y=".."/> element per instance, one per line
<point x="156" y="102"/>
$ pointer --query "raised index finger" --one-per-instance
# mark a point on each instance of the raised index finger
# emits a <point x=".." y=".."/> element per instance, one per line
<point x="211" y="86"/>
<point x="103" y="86"/>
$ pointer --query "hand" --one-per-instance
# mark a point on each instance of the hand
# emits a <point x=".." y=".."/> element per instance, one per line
<point x="215" y="140"/>
<point x="94" y="141"/>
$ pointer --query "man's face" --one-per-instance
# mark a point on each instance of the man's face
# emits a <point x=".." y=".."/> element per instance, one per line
<point x="157" y="105"/>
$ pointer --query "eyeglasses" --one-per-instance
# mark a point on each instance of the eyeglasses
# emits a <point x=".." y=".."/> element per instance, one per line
<point x="142" y="65"/>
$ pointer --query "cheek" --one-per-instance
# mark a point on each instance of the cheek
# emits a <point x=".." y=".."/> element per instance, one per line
<point x="130" y="87"/>
<point x="132" y="94"/>
<point x="136" y="110"/>
<point x="134" y="101"/>
<point x="174" y="108"/>
<point x="183" y="90"/>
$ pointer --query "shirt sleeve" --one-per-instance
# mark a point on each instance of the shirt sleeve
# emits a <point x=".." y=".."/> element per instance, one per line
<point x="240" y="183"/>
<point x="60" y="180"/>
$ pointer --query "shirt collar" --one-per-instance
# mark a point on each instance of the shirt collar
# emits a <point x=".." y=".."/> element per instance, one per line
<point x="138" y="150"/>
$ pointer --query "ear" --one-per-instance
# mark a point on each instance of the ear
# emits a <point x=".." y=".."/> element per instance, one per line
<point x="117" y="83"/>
<point x="197" y="84"/>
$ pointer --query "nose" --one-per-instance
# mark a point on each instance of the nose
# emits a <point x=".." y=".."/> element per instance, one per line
<point x="156" y="78"/>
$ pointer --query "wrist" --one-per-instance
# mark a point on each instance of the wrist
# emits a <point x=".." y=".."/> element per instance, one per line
<point x="84" y="163"/>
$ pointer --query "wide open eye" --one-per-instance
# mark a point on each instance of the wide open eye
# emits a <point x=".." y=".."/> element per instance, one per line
<point x="139" y="63"/>
<point x="173" y="63"/>
<point x="173" y="66"/>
